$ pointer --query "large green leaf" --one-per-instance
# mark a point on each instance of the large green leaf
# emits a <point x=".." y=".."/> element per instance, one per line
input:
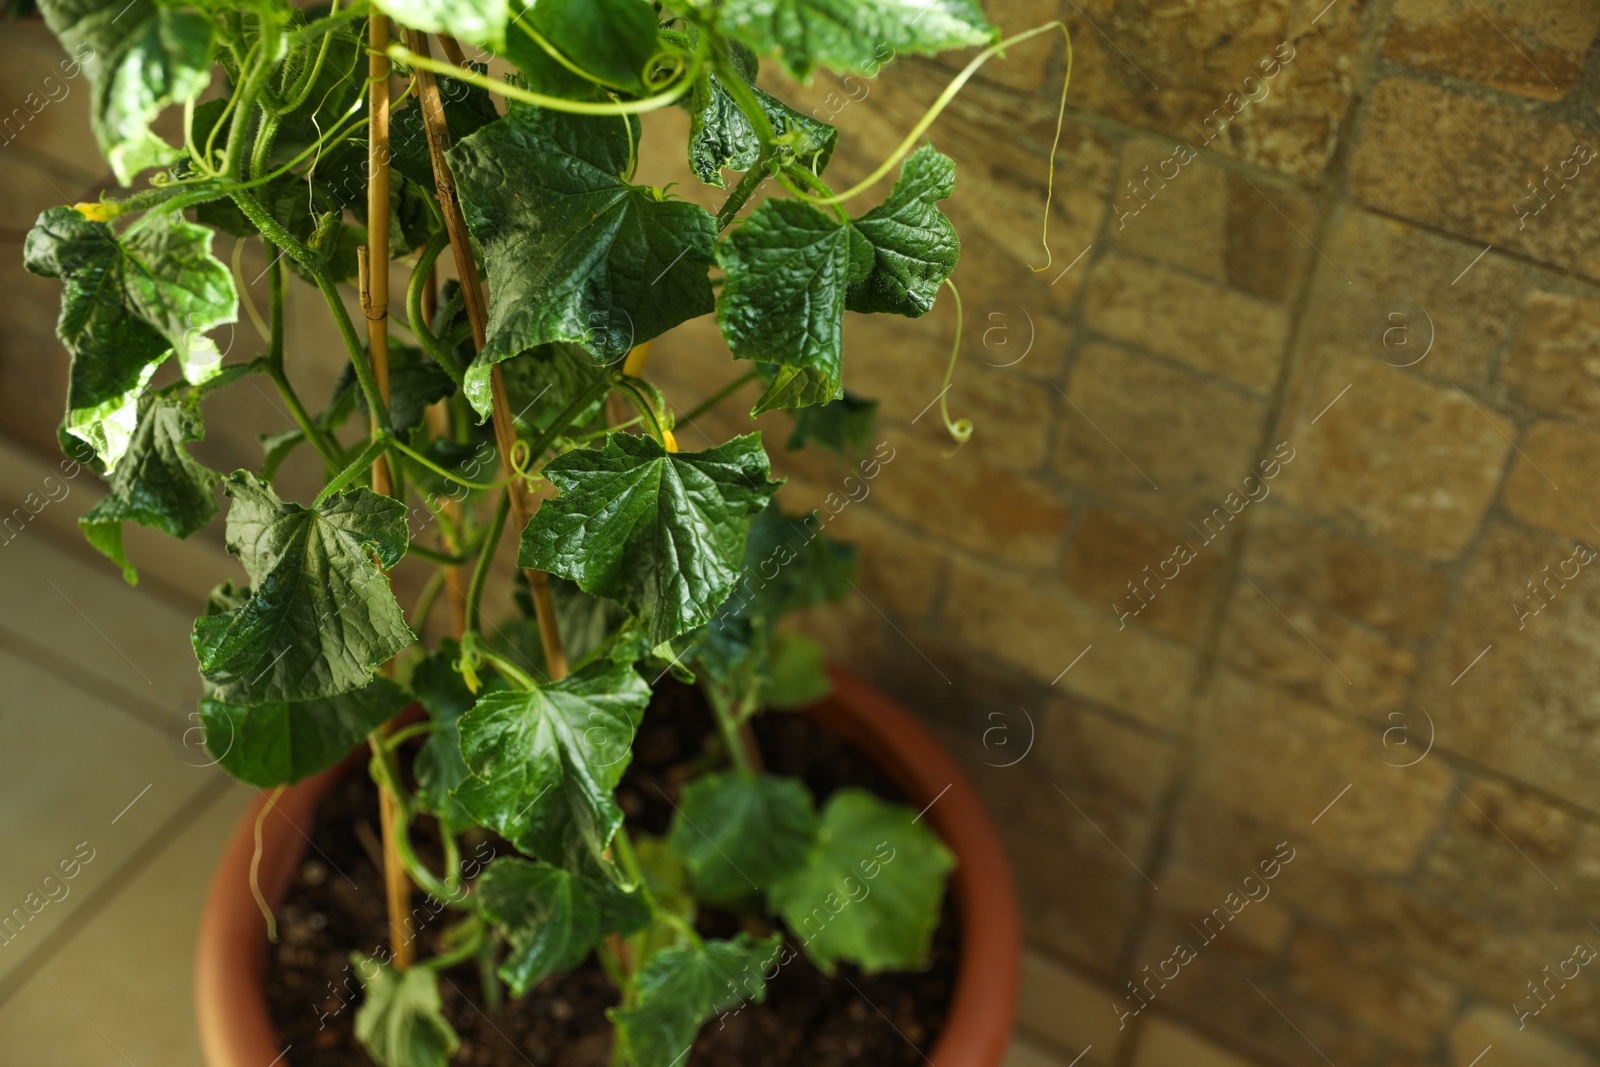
<point x="613" y="40"/>
<point x="478" y="21"/>
<point x="680" y="988"/>
<point x="740" y="833"/>
<point x="788" y="268"/>
<point x="574" y="253"/>
<point x="141" y="57"/>
<point x="552" y="918"/>
<point x="870" y="891"/>
<point x="543" y="762"/>
<point x="128" y="304"/>
<point x="320" y="614"/>
<point x="721" y="136"/>
<point x="401" y="1022"/>
<point x="914" y="246"/>
<point x="847" y="34"/>
<point x="661" y="532"/>
<point x="157" y="483"/>
<point x="282" y="742"/>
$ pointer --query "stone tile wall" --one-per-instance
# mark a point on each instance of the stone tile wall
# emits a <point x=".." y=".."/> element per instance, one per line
<point x="1258" y="603"/>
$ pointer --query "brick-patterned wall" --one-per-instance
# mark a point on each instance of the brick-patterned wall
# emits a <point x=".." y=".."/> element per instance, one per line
<point x="1316" y="367"/>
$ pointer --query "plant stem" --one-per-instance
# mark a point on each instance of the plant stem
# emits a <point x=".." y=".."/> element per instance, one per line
<point x="480" y="572"/>
<point x="426" y="599"/>
<point x="355" y="468"/>
<point x="717" y="397"/>
<point x="728" y="727"/>
<point x="274" y="232"/>
<point x="477" y="313"/>
<point x="297" y="411"/>
<point x="250" y="89"/>
<point x="748" y="184"/>
<point x="417" y="457"/>
<point x="433" y="555"/>
<point x="465" y="952"/>
<point x="417" y="313"/>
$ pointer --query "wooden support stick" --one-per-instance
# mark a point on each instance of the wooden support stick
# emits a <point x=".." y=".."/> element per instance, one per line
<point x="478" y="316"/>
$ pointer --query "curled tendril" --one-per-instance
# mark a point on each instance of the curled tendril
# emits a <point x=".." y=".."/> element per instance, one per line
<point x="663" y="68"/>
<point x="521" y="459"/>
<point x="904" y="148"/>
<point x="401" y="54"/>
<point x="959" y="429"/>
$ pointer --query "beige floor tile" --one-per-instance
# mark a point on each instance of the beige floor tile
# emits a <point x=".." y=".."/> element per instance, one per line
<point x="1164" y="1044"/>
<point x="121" y="991"/>
<point x="1024" y="1053"/>
<point x="1068" y="1009"/>
<point x="66" y="611"/>
<point x="73" y="769"/>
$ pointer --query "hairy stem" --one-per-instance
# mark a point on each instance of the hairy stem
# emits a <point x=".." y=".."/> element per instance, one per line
<point x="748" y="184"/>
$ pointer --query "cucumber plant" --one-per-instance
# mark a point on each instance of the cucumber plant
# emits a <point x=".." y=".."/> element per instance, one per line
<point x="334" y="138"/>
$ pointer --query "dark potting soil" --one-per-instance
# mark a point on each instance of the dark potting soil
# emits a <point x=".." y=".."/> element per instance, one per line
<point x="336" y="905"/>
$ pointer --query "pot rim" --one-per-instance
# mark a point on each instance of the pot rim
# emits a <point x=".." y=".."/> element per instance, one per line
<point x="230" y="1003"/>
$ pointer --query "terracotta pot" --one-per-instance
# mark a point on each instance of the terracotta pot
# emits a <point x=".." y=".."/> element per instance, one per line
<point x="235" y="1030"/>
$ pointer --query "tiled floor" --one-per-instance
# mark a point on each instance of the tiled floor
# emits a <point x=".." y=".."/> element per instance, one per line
<point x="96" y="681"/>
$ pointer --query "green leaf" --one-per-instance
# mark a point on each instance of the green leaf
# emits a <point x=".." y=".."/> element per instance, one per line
<point x="552" y="918"/>
<point x="915" y="247"/>
<point x="478" y="21"/>
<point x="401" y="1022"/>
<point x="797" y="672"/>
<point x="680" y="988"/>
<point x="321" y="614"/>
<point x="846" y="34"/>
<point x="439" y="767"/>
<point x="788" y="267"/>
<point x="846" y="426"/>
<point x="543" y="762"/>
<point x="661" y="532"/>
<point x="740" y="833"/>
<point x="721" y="136"/>
<point x="140" y="57"/>
<point x="128" y="304"/>
<point x="283" y="742"/>
<point x="612" y="40"/>
<point x="574" y="253"/>
<point x="157" y="484"/>
<point x="792" y="388"/>
<point x="870" y="890"/>
<point x="793" y="567"/>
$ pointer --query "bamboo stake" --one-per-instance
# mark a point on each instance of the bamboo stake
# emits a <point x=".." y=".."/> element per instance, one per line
<point x="478" y="316"/>
<point x="373" y="263"/>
